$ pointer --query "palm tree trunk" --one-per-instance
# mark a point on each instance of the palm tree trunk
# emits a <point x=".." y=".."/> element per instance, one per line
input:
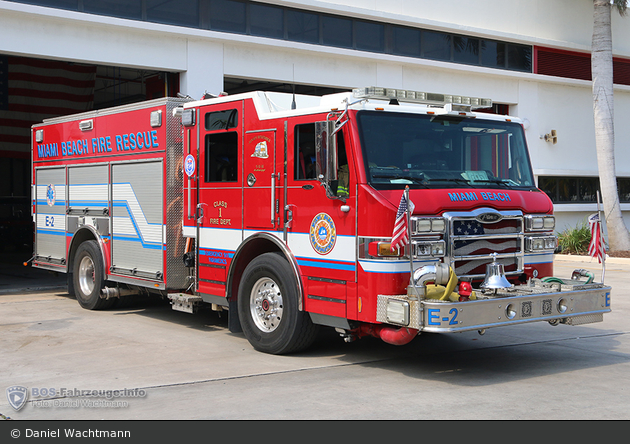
<point x="603" y="111"/>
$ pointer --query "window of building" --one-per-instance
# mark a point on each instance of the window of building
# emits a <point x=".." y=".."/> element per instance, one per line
<point x="59" y="4"/>
<point x="336" y="31"/>
<point x="466" y="50"/>
<point x="492" y="54"/>
<point x="369" y="36"/>
<point x="129" y="9"/>
<point x="228" y="15"/>
<point x="406" y="41"/>
<point x="623" y="187"/>
<point x="436" y="45"/>
<point x="266" y="21"/>
<point x="173" y="12"/>
<point x="519" y="57"/>
<point x="278" y="22"/>
<point x="302" y="26"/>
<point x="579" y="189"/>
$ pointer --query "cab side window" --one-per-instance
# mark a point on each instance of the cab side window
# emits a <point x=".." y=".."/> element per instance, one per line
<point x="304" y="152"/>
<point x="221" y="157"/>
<point x="343" y="172"/>
<point x="221" y="148"/>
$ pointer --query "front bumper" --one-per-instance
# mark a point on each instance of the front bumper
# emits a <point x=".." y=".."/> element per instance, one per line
<point x="569" y="303"/>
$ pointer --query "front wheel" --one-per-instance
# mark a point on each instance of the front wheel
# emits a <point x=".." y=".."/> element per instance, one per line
<point x="268" y="307"/>
<point x="88" y="278"/>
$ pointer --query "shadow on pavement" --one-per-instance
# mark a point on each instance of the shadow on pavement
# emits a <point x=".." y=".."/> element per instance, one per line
<point x="17" y="278"/>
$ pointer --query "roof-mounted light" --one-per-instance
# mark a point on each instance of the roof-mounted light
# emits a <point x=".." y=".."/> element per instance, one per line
<point x="404" y="95"/>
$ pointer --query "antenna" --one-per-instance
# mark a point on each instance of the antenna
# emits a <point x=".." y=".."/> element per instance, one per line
<point x="293" y="105"/>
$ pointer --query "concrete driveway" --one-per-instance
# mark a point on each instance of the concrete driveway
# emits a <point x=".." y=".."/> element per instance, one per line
<point x="177" y="366"/>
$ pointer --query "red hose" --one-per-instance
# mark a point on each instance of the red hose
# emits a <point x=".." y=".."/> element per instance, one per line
<point x="391" y="335"/>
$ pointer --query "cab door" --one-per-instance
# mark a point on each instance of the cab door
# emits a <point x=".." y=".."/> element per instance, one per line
<point x="219" y="206"/>
<point x="321" y="229"/>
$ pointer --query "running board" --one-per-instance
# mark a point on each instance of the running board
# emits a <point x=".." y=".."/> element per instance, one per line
<point x="188" y="303"/>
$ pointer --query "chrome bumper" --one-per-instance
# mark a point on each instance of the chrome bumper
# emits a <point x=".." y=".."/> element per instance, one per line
<point x="567" y="303"/>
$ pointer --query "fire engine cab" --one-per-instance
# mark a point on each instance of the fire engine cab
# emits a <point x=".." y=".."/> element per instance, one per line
<point x="282" y="209"/>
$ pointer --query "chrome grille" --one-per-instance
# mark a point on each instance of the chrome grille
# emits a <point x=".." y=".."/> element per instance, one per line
<point x="471" y="242"/>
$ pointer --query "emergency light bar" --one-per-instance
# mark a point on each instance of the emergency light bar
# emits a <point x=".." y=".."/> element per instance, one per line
<point x="403" y="95"/>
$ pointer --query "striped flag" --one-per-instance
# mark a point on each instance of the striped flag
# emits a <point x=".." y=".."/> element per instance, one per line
<point x="596" y="248"/>
<point x="400" y="236"/>
<point x="32" y="90"/>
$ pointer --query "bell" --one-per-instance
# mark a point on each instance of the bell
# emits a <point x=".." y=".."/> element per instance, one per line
<point x="495" y="275"/>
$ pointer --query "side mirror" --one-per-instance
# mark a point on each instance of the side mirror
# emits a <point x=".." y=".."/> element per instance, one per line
<point x="326" y="159"/>
<point x="326" y="156"/>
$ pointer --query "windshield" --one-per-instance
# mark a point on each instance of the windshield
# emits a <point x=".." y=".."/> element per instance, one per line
<point x="425" y="151"/>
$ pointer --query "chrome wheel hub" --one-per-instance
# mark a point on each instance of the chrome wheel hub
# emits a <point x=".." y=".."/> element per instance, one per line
<point x="266" y="304"/>
<point x="86" y="275"/>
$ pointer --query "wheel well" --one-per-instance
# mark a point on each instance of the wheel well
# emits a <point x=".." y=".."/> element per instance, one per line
<point x="79" y="237"/>
<point x="251" y="248"/>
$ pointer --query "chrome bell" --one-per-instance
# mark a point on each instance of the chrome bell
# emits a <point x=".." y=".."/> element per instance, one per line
<point x="495" y="276"/>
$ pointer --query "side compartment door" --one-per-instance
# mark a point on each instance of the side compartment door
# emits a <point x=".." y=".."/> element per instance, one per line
<point x="219" y="209"/>
<point x="261" y="202"/>
<point x="137" y="219"/>
<point x="88" y="198"/>
<point x="50" y="215"/>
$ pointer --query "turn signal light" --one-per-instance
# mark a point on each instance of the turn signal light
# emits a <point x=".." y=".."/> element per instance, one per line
<point x="384" y="249"/>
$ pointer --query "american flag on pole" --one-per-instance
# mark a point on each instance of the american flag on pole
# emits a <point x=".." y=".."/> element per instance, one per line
<point x="596" y="248"/>
<point x="400" y="235"/>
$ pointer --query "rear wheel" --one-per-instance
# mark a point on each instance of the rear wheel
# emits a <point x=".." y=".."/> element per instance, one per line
<point x="268" y="307"/>
<point x="88" y="277"/>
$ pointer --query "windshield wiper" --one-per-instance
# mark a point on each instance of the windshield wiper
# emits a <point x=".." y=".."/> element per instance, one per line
<point x="452" y="179"/>
<point x="416" y="180"/>
<point x="504" y="182"/>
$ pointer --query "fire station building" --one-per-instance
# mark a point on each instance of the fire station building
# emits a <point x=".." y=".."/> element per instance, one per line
<point x="531" y="57"/>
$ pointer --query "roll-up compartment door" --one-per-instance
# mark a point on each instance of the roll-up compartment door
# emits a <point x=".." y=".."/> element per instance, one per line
<point x="50" y="214"/>
<point x="137" y="219"/>
<point x="88" y="190"/>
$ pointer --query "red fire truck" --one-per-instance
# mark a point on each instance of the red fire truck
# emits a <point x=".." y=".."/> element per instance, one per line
<point x="377" y="212"/>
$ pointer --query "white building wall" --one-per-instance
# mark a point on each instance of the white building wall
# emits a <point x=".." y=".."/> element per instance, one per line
<point x="204" y="57"/>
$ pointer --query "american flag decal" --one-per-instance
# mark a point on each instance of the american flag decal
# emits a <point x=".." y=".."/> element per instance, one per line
<point x="465" y="247"/>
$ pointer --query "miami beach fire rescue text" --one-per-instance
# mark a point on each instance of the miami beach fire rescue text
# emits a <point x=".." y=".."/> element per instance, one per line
<point x="286" y="216"/>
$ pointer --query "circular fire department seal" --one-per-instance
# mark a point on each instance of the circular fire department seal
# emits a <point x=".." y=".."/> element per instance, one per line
<point x="51" y="195"/>
<point x="189" y="165"/>
<point x="323" y="234"/>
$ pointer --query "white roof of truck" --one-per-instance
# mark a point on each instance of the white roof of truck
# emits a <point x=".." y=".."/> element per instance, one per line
<point x="273" y="105"/>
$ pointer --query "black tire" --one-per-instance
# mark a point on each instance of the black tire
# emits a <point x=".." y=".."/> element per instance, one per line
<point x="268" y="307"/>
<point x="88" y="277"/>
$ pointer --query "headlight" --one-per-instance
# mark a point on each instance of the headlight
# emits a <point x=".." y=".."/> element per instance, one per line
<point x="428" y="248"/>
<point x="540" y="223"/>
<point x="540" y="243"/>
<point x="425" y="225"/>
